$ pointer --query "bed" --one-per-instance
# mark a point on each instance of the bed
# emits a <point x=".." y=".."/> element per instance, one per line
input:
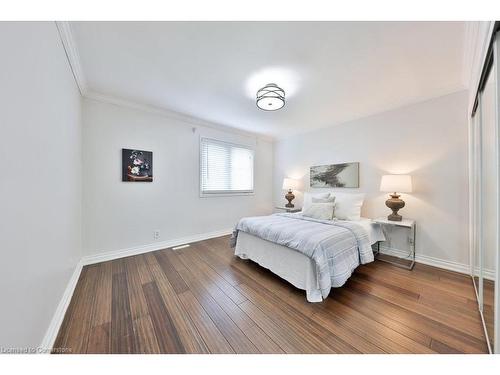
<point x="313" y="255"/>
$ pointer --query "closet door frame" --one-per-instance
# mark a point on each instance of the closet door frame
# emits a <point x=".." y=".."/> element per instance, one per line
<point x="478" y="219"/>
<point x="496" y="71"/>
<point x="476" y="199"/>
<point x="475" y="206"/>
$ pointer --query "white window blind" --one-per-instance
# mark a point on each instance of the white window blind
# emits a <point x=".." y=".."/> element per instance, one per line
<point x="225" y="168"/>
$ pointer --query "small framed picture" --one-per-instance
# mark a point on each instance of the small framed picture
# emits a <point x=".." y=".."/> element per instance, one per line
<point x="137" y="165"/>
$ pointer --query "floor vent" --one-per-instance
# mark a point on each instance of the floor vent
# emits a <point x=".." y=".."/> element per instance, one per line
<point x="180" y="247"/>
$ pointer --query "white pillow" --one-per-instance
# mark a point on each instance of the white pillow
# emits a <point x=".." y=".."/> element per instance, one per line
<point x="308" y="198"/>
<point x="348" y="206"/>
<point x="330" y="199"/>
<point x="321" y="211"/>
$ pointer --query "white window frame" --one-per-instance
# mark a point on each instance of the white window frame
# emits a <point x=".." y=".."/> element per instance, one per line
<point x="224" y="193"/>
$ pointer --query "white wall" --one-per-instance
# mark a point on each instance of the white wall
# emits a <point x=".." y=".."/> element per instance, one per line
<point x="120" y="215"/>
<point x="427" y="140"/>
<point x="40" y="182"/>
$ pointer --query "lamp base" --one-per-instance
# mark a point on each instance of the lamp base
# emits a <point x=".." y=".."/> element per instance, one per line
<point x="395" y="204"/>
<point x="289" y="197"/>
<point x="394" y="217"/>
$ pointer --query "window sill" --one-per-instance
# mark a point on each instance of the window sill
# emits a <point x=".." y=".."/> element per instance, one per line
<point x="210" y="195"/>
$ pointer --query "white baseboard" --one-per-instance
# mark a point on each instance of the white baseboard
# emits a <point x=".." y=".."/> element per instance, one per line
<point x="436" y="262"/>
<point x="57" y="319"/>
<point x="115" y="254"/>
<point x="430" y="261"/>
<point x="487" y="273"/>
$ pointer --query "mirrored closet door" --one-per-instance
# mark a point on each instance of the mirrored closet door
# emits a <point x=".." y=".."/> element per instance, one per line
<point x="485" y="187"/>
<point x="475" y="187"/>
<point x="488" y="195"/>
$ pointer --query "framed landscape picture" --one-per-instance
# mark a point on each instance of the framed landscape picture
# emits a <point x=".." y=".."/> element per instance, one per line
<point x="344" y="175"/>
<point x="137" y="165"/>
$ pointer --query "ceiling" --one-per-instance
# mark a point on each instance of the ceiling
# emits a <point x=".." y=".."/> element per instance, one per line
<point x="332" y="72"/>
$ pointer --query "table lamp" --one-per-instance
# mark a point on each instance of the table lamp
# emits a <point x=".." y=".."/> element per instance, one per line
<point x="290" y="184"/>
<point x="395" y="183"/>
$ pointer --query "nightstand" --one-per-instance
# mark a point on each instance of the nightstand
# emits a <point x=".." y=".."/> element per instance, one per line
<point x="408" y="224"/>
<point x="288" y="209"/>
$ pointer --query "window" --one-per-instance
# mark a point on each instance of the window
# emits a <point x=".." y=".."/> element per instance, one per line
<point x="225" y="168"/>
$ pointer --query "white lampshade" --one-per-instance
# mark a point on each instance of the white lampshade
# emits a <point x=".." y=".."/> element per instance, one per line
<point x="290" y="183"/>
<point x="400" y="183"/>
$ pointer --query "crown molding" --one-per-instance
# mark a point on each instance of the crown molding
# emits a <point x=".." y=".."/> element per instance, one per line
<point x="68" y="41"/>
<point x="71" y="50"/>
<point x="173" y="115"/>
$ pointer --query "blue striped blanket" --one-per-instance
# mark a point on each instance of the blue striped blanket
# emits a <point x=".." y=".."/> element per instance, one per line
<point x="337" y="247"/>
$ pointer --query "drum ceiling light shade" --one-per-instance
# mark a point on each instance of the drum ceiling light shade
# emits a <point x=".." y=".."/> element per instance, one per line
<point x="270" y="97"/>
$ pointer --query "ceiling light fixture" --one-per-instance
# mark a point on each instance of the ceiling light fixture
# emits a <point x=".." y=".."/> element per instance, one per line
<point x="270" y="97"/>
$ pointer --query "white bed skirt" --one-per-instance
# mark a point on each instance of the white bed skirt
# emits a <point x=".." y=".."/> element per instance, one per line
<point x="290" y="265"/>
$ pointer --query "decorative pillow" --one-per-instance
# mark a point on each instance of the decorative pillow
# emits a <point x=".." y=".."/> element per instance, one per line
<point x="308" y="198"/>
<point x="348" y="206"/>
<point x="320" y="211"/>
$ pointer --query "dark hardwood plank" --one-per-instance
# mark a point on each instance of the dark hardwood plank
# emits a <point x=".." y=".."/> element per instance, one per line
<point x="463" y="325"/>
<point x="100" y="332"/>
<point x="138" y="305"/>
<point x="365" y="303"/>
<point x="173" y="277"/>
<point x="448" y="303"/>
<point x="147" y="342"/>
<point x="188" y="335"/>
<point x="165" y="331"/>
<point x="430" y="295"/>
<point x="118" y="266"/>
<point x="213" y="276"/>
<point x="221" y="266"/>
<point x="229" y="307"/>
<point x="100" y="339"/>
<point x="289" y="341"/>
<point x="442" y="348"/>
<point x="143" y="269"/>
<point x="296" y="300"/>
<point x="102" y="303"/>
<point x="214" y="339"/>
<point x="391" y="340"/>
<point x="82" y="318"/>
<point x="122" y="332"/>
<point x="236" y="338"/>
<point x="426" y="278"/>
<point x="345" y="332"/>
<point x="141" y="321"/>
<point x="399" y="288"/>
<point x="287" y="317"/>
<point x="262" y="341"/>
<point x="378" y="313"/>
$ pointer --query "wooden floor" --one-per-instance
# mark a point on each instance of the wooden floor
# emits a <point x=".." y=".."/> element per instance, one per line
<point x="489" y="308"/>
<point x="202" y="299"/>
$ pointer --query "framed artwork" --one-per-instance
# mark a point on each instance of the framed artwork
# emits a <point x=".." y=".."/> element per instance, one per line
<point x="344" y="175"/>
<point x="137" y="165"/>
